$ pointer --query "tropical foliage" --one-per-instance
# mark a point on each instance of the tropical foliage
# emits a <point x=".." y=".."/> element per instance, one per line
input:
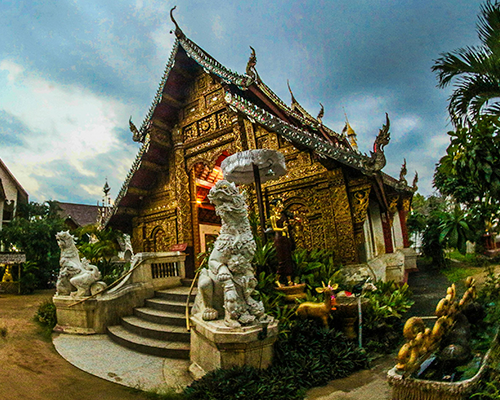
<point x="99" y="246"/>
<point x="455" y="230"/>
<point x="32" y="232"/>
<point x="310" y="356"/>
<point x="475" y="70"/>
<point x="470" y="171"/>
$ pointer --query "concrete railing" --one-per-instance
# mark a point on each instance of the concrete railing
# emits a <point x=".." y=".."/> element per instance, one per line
<point x="148" y="272"/>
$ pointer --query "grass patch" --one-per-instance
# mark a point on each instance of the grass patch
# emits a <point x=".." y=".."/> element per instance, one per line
<point x="162" y="394"/>
<point x="458" y="273"/>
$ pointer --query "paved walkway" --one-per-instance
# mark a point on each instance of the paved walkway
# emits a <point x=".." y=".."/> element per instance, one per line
<point x="121" y="365"/>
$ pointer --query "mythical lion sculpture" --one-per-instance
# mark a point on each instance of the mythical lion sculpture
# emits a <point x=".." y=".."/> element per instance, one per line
<point x="76" y="278"/>
<point x="226" y="286"/>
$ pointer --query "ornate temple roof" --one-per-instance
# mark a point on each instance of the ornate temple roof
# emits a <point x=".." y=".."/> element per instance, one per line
<point x="247" y="94"/>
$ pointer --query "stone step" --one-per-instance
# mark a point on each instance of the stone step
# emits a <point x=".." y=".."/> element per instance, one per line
<point x="161" y="304"/>
<point x="161" y="348"/>
<point x="179" y="293"/>
<point x="153" y="330"/>
<point x="160" y="317"/>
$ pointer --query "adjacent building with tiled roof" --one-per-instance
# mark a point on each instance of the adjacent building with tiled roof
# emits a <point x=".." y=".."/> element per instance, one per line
<point x="78" y="215"/>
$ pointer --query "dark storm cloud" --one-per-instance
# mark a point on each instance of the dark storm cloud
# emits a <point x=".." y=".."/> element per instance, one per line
<point x="364" y="57"/>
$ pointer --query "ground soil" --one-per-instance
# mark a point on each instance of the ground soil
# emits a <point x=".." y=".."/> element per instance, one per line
<point x="30" y="367"/>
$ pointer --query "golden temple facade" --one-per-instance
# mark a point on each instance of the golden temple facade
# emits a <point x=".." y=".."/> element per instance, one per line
<point x="202" y="113"/>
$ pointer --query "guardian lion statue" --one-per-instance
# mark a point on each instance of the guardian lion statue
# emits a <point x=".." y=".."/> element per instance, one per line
<point x="76" y="278"/>
<point x="227" y="284"/>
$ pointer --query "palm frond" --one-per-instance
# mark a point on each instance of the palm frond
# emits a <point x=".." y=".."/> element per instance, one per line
<point x="488" y="27"/>
<point x="470" y="96"/>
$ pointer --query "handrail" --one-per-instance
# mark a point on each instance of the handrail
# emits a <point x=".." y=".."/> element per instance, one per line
<point x="188" y="323"/>
<point x="109" y="286"/>
<point x="139" y="260"/>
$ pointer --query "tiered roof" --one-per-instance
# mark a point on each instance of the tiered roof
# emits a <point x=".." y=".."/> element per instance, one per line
<point x="247" y="94"/>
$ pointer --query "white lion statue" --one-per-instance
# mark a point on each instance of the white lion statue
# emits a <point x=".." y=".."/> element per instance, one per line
<point x="226" y="286"/>
<point x="76" y="278"/>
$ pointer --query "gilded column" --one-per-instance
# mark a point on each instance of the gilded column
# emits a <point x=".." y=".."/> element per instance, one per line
<point x="343" y="220"/>
<point x="182" y="192"/>
<point x="194" y="213"/>
<point x="240" y="140"/>
<point x="403" y="216"/>
<point x="359" y="194"/>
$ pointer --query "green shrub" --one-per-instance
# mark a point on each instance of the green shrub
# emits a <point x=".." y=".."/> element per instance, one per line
<point x="382" y="317"/>
<point x="311" y="355"/>
<point x="46" y="315"/>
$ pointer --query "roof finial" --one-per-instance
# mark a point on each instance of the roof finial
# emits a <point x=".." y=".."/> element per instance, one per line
<point x="178" y="32"/>
<point x="321" y="114"/>
<point x="415" y="181"/>
<point x="403" y="173"/>
<point x="252" y="62"/>
<point x="294" y="102"/>
<point x="351" y="135"/>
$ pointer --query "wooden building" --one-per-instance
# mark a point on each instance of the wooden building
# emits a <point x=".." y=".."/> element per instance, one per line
<point x="204" y="112"/>
<point x="11" y="195"/>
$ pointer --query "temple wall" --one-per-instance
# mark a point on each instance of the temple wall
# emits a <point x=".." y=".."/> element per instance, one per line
<point x="315" y="195"/>
<point x="397" y="232"/>
<point x="378" y="231"/>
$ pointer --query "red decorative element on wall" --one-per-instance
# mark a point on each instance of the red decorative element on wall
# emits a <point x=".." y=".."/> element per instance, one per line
<point x="404" y="228"/>
<point x="386" y="228"/>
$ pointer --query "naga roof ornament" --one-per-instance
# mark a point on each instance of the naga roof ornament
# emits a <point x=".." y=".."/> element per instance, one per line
<point x="178" y="31"/>
<point x="136" y="136"/>
<point x="414" y="186"/>
<point x="321" y="114"/>
<point x="294" y="103"/>
<point x="252" y="62"/>
<point x="377" y="159"/>
<point x="402" y="174"/>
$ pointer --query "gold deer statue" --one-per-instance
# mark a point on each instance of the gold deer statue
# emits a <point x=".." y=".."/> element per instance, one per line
<point x="310" y="309"/>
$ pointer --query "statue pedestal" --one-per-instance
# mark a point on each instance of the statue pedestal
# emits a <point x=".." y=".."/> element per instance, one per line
<point x="214" y="345"/>
<point x="75" y="319"/>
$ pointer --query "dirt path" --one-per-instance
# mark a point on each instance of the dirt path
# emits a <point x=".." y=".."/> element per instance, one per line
<point x="30" y="367"/>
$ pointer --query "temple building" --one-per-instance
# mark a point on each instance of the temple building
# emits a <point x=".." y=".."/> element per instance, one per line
<point x="204" y="112"/>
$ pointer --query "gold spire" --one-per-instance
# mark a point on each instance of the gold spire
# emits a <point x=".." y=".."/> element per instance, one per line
<point x="351" y="135"/>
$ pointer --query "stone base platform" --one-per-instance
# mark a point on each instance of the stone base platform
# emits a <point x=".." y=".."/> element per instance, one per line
<point x="214" y="345"/>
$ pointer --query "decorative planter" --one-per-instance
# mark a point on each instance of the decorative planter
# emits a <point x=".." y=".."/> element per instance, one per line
<point x="347" y="311"/>
<point x="407" y="388"/>
<point x="293" y="292"/>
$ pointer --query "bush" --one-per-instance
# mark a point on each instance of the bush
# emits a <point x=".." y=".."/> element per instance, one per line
<point x="46" y="315"/>
<point x="382" y="318"/>
<point x="310" y="356"/>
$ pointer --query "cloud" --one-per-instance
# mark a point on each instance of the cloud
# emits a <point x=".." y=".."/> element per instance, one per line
<point x="218" y="27"/>
<point x="67" y="125"/>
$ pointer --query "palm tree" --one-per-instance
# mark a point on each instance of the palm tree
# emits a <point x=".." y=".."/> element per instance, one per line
<point x="476" y="69"/>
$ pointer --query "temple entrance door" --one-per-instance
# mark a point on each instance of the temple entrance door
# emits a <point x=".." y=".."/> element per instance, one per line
<point x="206" y="223"/>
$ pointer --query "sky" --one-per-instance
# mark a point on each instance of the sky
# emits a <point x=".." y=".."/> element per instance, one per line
<point x="72" y="72"/>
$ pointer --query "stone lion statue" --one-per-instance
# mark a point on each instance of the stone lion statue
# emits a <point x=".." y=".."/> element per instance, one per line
<point x="227" y="284"/>
<point x="76" y="278"/>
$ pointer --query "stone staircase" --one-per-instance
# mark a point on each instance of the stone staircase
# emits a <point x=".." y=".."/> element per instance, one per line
<point x="158" y="328"/>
